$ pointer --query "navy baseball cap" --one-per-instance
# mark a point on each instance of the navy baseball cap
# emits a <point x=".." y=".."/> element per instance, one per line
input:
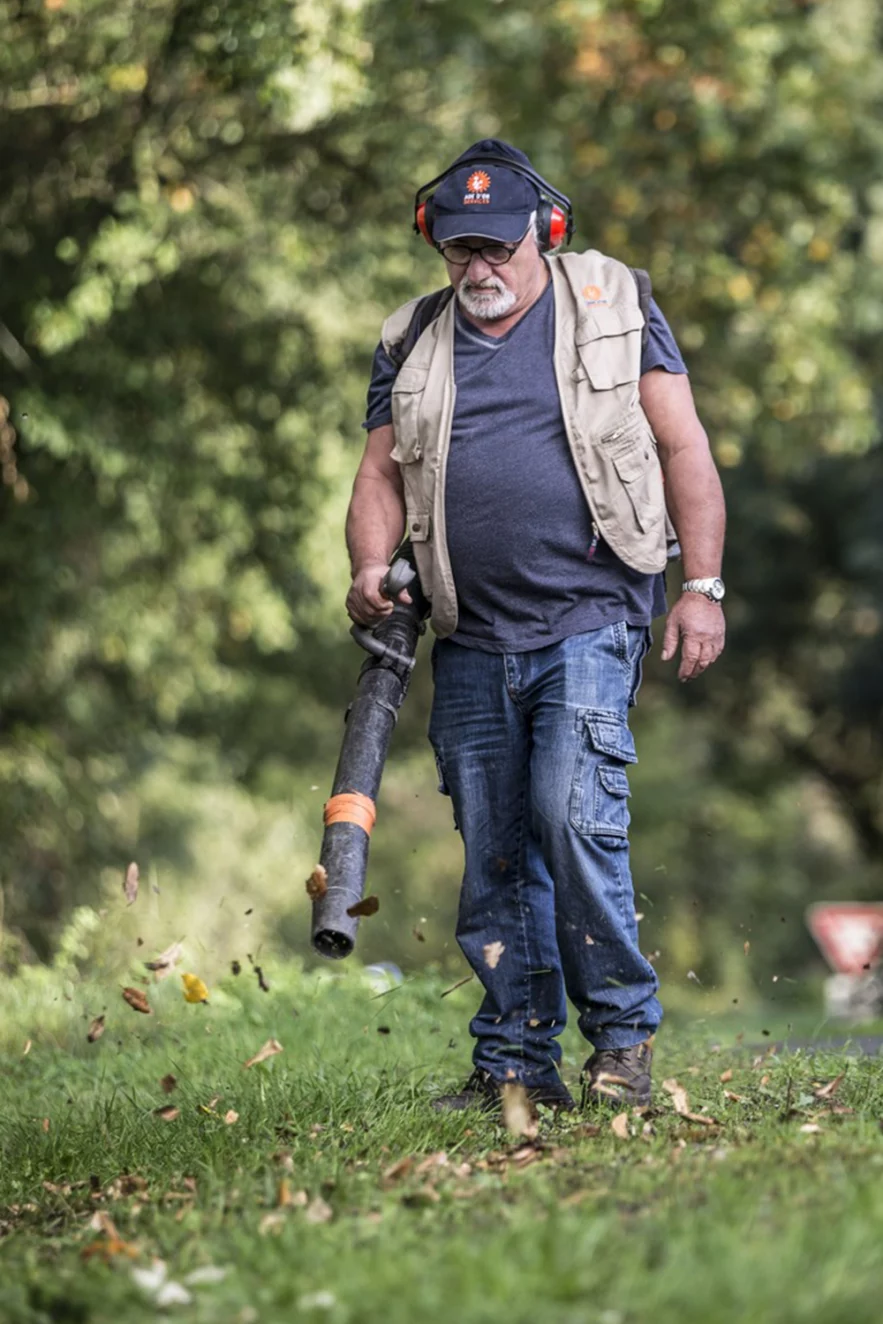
<point x="484" y="199"/>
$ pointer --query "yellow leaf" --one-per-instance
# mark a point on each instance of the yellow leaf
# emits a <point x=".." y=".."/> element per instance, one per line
<point x="194" y="989"/>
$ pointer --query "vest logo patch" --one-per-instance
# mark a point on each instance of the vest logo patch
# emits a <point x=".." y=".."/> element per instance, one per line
<point x="593" y="294"/>
<point x="478" y="187"/>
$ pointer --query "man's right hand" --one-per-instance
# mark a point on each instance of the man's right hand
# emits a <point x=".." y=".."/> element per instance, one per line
<point x="365" y="603"/>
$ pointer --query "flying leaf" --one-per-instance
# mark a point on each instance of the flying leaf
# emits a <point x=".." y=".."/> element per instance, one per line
<point x="96" y="1029"/>
<point x="679" y="1096"/>
<point x="270" y="1049"/>
<point x="194" y="989"/>
<point x="519" y="1117"/>
<point x="27" y="1047"/>
<point x="137" y="1000"/>
<point x="130" y="883"/>
<point x="492" y="953"/>
<point x="168" y="1113"/>
<point x="826" y="1091"/>
<point x="165" y="963"/>
<point x="369" y="905"/>
<point x="168" y="1083"/>
<point x="317" y="883"/>
<point x="459" y="984"/>
<point x="418" y="934"/>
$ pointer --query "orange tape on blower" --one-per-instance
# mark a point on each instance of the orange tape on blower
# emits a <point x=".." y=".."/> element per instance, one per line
<point x="351" y="807"/>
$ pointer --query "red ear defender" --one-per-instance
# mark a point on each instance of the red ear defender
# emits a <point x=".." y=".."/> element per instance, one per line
<point x="420" y="224"/>
<point x="557" y="227"/>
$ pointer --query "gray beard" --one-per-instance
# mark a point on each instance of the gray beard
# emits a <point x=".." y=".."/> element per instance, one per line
<point x="488" y="305"/>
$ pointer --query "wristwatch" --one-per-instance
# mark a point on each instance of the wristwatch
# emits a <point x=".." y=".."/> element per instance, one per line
<point x="712" y="588"/>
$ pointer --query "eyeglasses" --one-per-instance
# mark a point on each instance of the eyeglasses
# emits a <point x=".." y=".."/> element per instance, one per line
<point x="496" y="255"/>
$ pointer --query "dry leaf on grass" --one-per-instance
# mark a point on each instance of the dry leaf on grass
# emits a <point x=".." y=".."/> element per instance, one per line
<point x="825" y="1091"/>
<point x="96" y="1029"/>
<point x="27" y="1048"/>
<point x="168" y="1083"/>
<point x="168" y="1113"/>
<point x="369" y="905"/>
<point x="725" y="1077"/>
<point x="810" y="1129"/>
<point x="399" y="1169"/>
<point x="231" y="1117"/>
<point x="682" y="1104"/>
<point x="317" y="883"/>
<point x="137" y="1000"/>
<point x="519" y="1116"/>
<point x="620" y="1126"/>
<point x="492" y="953"/>
<point x="271" y="1222"/>
<point x="130" y="883"/>
<point x="164" y="964"/>
<point x="270" y="1049"/>
<point x="318" y="1211"/>
<point x="194" y="989"/>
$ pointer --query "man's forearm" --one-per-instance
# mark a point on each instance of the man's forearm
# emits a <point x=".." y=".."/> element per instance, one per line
<point x="375" y="521"/>
<point x="695" y="501"/>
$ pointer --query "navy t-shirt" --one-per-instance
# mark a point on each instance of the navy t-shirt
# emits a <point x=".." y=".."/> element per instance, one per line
<point x="528" y="568"/>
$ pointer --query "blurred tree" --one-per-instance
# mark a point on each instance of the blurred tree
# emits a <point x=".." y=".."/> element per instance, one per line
<point x="204" y="215"/>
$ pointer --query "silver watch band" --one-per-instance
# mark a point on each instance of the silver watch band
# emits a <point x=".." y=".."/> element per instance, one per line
<point x="712" y="588"/>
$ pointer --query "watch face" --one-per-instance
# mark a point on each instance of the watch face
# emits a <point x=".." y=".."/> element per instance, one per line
<point x="717" y="589"/>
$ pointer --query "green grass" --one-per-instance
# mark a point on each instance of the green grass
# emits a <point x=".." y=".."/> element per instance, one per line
<point x="750" y="1220"/>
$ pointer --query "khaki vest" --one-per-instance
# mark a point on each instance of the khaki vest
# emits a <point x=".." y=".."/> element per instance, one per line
<point x="598" y="324"/>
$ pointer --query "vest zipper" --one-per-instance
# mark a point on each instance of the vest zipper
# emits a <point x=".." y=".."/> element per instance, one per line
<point x="593" y="545"/>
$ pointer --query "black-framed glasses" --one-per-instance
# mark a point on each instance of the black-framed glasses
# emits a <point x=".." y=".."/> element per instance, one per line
<point x="496" y="255"/>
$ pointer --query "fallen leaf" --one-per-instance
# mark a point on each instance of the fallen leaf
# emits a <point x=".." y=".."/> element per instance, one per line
<point x="231" y="1117"/>
<point x="194" y="989"/>
<point x="519" y="1117"/>
<point x="679" y="1096"/>
<point x="137" y="1000"/>
<point x="317" y="883"/>
<point x="734" y="1098"/>
<point x="45" y="1125"/>
<point x="725" y="1077"/>
<point x="318" y="1211"/>
<point x="27" y="1048"/>
<point x="590" y="942"/>
<point x="810" y="1129"/>
<point x="108" y="1248"/>
<point x="168" y="1083"/>
<point x="164" y="964"/>
<point x="151" y="1280"/>
<point x="620" y="1126"/>
<point x="271" y="1222"/>
<point x="130" y="883"/>
<point x="459" y="984"/>
<point x="168" y="1113"/>
<point x="369" y="905"/>
<point x="492" y="953"/>
<point x="399" y="1169"/>
<point x="270" y="1049"/>
<point x="172" y="1294"/>
<point x="825" y="1091"/>
<point x="206" y="1276"/>
<point x="96" y="1029"/>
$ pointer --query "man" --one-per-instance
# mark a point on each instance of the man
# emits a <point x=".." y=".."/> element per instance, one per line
<point x="519" y="446"/>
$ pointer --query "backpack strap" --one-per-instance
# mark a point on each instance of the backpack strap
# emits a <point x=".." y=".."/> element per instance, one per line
<point x="645" y="293"/>
<point x="426" y="310"/>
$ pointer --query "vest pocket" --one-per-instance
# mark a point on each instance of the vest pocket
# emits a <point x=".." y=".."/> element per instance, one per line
<point x="631" y="452"/>
<point x="608" y="341"/>
<point x="407" y="397"/>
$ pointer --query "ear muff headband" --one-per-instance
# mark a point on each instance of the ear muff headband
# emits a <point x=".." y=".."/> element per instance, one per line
<point x="554" y="210"/>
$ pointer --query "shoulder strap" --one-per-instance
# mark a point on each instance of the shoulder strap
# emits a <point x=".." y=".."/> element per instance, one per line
<point x="426" y="310"/>
<point x="645" y="293"/>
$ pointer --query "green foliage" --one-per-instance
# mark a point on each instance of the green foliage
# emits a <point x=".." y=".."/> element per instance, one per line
<point x="205" y="215"/>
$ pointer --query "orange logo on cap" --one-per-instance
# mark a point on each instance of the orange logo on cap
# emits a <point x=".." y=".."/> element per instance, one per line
<point x="478" y="182"/>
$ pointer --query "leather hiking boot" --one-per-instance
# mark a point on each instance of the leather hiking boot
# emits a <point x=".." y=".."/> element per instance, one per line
<point x="618" y="1076"/>
<point x="483" y="1091"/>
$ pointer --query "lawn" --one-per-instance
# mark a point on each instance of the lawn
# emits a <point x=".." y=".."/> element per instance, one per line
<point x="152" y="1172"/>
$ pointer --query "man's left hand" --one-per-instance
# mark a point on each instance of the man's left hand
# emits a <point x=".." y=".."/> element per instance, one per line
<point x="699" y="626"/>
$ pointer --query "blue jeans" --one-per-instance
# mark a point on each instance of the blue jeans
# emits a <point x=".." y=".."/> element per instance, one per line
<point x="533" y="749"/>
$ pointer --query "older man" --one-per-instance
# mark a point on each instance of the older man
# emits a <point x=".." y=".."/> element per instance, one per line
<point x="522" y="445"/>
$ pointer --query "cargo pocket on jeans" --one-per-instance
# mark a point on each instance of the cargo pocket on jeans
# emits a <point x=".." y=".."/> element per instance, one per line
<point x="600" y="790"/>
<point x="443" y="787"/>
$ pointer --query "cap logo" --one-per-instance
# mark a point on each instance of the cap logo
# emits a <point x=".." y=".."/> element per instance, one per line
<point x="478" y="187"/>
